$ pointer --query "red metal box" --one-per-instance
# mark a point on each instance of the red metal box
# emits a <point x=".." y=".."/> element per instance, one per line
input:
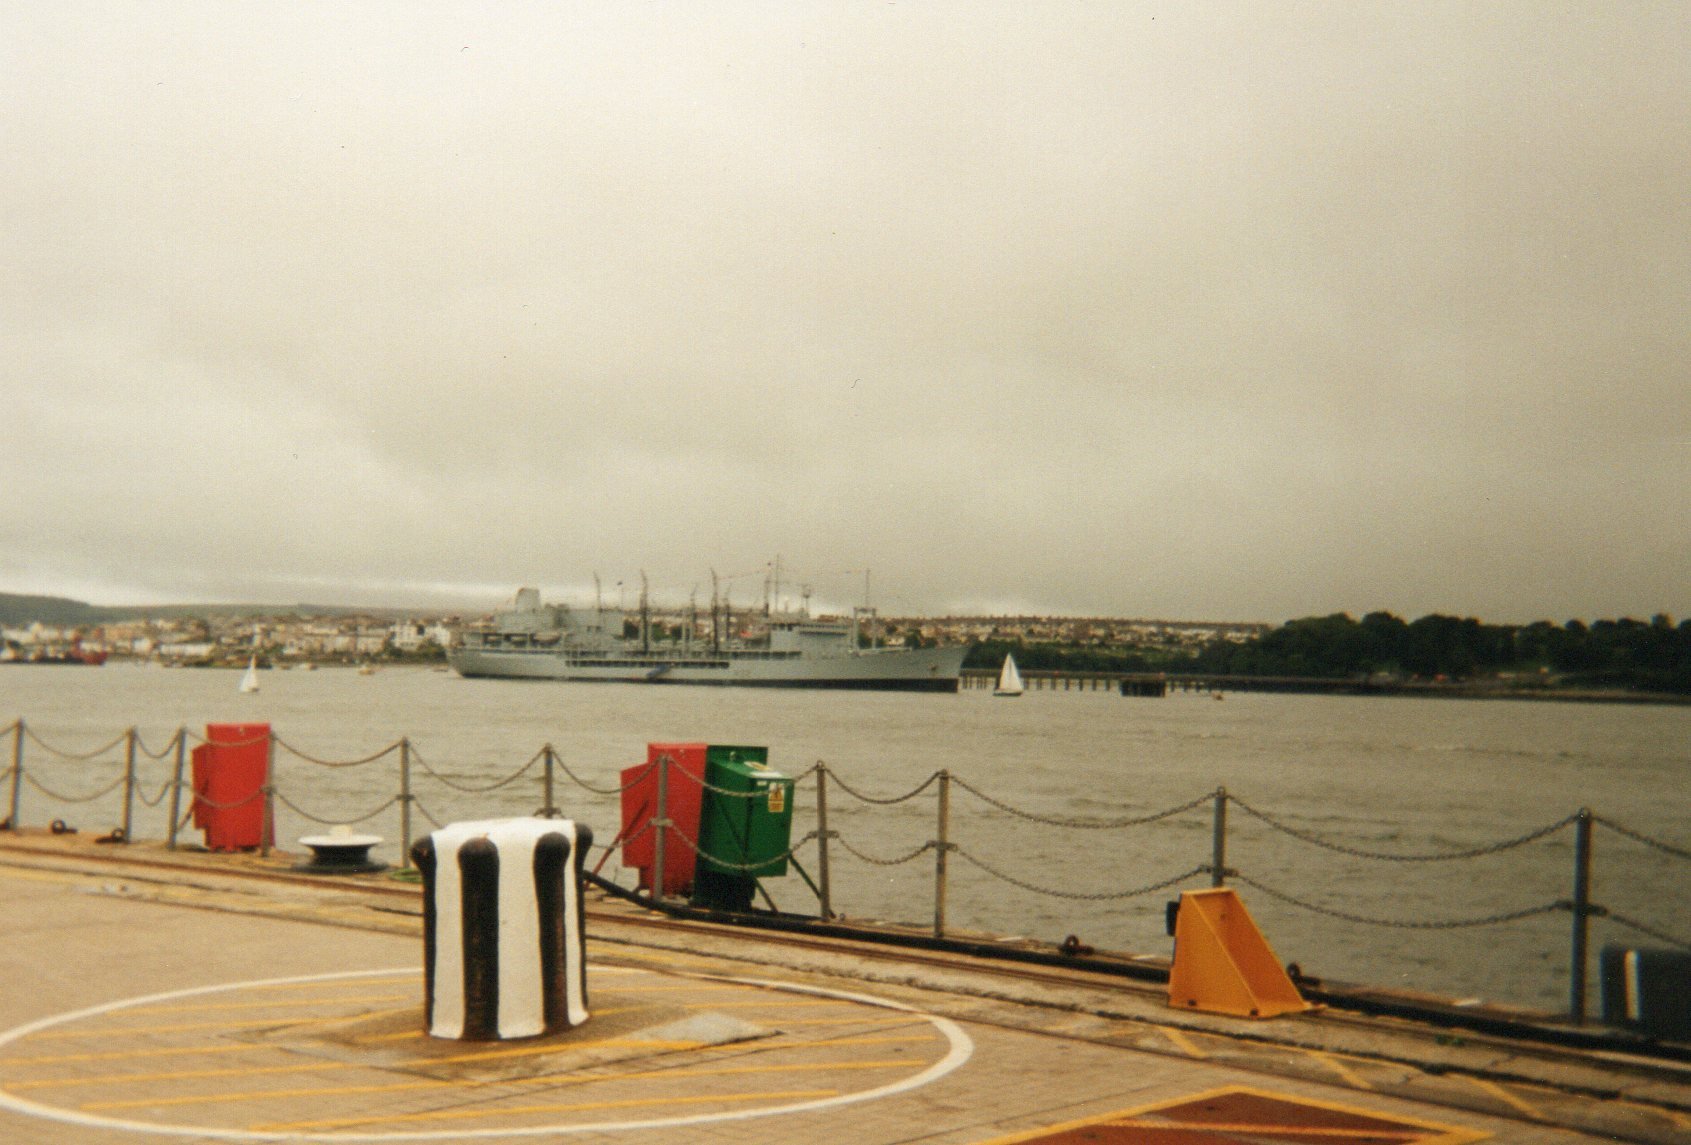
<point x="230" y="770"/>
<point x="683" y="788"/>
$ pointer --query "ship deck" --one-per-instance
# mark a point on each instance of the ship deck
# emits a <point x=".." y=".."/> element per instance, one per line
<point x="156" y="995"/>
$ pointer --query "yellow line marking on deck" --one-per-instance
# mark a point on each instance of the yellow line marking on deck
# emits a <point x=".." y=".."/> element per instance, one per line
<point x="557" y="1079"/>
<point x="120" y="1055"/>
<point x="313" y="1067"/>
<point x="773" y="1000"/>
<point x="289" y="1023"/>
<point x="875" y="1022"/>
<point x="329" y="1001"/>
<point x="513" y="1111"/>
<point x="407" y="1035"/>
<point x="1503" y="1095"/>
<point x="412" y="979"/>
<point x="858" y="1042"/>
<point x="1182" y="1042"/>
<point x="1337" y="1065"/>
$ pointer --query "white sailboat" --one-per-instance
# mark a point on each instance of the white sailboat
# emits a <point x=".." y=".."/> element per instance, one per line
<point x="1009" y="680"/>
<point x="249" y="682"/>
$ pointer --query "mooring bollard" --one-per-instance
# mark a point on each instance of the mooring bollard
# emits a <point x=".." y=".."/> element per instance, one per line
<point x="504" y="946"/>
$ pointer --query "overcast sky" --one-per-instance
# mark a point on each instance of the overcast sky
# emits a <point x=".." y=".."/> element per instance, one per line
<point x="1227" y="311"/>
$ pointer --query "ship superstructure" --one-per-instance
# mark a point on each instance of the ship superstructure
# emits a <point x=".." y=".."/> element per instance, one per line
<point x="535" y="640"/>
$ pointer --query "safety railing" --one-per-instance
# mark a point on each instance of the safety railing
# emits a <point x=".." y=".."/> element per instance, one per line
<point x="411" y="765"/>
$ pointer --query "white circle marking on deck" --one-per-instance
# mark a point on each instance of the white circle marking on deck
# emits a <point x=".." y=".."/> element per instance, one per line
<point x="959" y="1049"/>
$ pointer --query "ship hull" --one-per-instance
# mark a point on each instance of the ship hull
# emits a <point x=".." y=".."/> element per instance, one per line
<point x="926" y="670"/>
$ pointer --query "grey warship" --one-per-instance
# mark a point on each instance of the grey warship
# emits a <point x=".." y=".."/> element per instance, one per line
<point x="533" y="640"/>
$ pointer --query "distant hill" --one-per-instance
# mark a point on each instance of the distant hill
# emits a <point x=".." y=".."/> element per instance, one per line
<point x="17" y="611"/>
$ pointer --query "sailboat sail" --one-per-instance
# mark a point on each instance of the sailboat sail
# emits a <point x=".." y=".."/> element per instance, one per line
<point x="1009" y="680"/>
<point x="249" y="682"/>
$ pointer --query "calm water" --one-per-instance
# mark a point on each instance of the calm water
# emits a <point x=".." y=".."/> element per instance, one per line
<point x="1386" y="774"/>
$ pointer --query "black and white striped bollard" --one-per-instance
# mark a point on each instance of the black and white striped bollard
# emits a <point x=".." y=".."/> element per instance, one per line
<point x="504" y="947"/>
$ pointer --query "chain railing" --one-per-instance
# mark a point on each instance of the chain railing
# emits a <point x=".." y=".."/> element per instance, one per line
<point x="664" y="772"/>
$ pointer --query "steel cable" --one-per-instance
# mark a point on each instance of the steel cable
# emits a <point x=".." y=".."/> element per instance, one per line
<point x="471" y="789"/>
<point x="1401" y="924"/>
<point x="1660" y="936"/>
<point x="586" y="786"/>
<point x="51" y="794"/>
<point x="300" y="811"/>
<point x="80" y="758"/>
<point x="266" y="738"/>
<point x="715" y="790"/>
<point x="1079" y="823"/>
<point x="1639" y="837"/>
<point x="200" y="797"/>
<point x="731" y="864"/>
<point x="856" y="794"/>
<point x="917" y="853"/>
<point x="291" y="749"/>
<point x="1077" y="895"/>
<point x="159" y="798"/>
<point x="424" y="811"/>
<point x="1433" y="857"/>
<point x="170" y="746"/>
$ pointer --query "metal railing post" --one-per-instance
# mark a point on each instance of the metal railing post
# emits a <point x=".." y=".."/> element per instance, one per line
<point x="1582" y="915"/>
<point x="17" y="772"/>
<point x="822" y="893"/>
<point x="128" y="783"/>
<point x="1218" y="840"/>
<point x="941" y="846"/>
<point x="405" y="803"/>
<point x="267" y="828"/>
<point x="660" y="823"/>
<point x="176" y="787"/>
<point x="550" y="810"/>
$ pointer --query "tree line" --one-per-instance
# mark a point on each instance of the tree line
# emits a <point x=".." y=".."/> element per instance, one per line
<point x="1650" y="656"/>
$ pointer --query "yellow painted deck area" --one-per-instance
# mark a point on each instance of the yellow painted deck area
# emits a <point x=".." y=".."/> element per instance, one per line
<point x="154" y="1001"/>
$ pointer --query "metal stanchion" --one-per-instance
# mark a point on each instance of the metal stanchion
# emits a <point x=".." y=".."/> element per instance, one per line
<point x="1582" y="914"/>
<point x="660" y="823"/>
<point x="17" y="772"/>
<point x="822" y="892"/>
<point x="405" y="802"/>
<point x="176" y="787"/>
<point x="268" y="827"/>
<point x="1218" y="840"/>
<point x="128" y="783"/>
<point x="941" y="846"/>
<point x="550" y="810"/>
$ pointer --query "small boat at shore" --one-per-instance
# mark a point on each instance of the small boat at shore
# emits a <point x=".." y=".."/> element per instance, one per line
<point x="249" y="680"/>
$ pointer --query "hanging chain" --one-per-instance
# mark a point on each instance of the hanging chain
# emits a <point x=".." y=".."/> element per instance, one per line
<point x="1402" y="924"/>
<point x="1083" y="824"/>
<point x="1429" y="857"/>
<point x="1639" y="837"/>
<point x="474" y="789"/>
<point x="304" y="814"/>
<point x="1077" y="896"/>
<point x="856" y="794"/>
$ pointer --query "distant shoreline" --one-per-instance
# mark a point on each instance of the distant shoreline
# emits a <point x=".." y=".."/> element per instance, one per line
<point x="1322" y="686"/>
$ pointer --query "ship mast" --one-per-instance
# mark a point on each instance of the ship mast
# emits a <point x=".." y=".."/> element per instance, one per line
<point x="645" y="616"/>
<point x="715" y="635"/>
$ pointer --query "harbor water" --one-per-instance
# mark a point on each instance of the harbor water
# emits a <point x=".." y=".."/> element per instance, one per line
<point x="1381" y="775"/>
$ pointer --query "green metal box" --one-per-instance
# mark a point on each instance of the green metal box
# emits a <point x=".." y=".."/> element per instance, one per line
<point x="748" y="819"/>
